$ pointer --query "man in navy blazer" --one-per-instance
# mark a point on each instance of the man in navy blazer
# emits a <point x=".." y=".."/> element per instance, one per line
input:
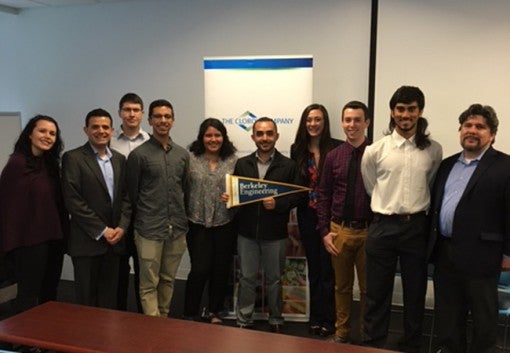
<point x="95" y="195"/>
<point x="470" y="235"/>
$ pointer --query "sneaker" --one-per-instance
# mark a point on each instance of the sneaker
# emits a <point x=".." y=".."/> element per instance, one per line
<point x="245" y="325"/>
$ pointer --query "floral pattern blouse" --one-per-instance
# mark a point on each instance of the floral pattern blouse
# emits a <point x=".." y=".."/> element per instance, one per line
<point x="313" y="172"/>
<point x="205" y="186"/>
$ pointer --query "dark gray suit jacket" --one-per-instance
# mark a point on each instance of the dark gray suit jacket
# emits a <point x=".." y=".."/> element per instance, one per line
<point x="89" y="204"/>
<point x="481" y="225"/>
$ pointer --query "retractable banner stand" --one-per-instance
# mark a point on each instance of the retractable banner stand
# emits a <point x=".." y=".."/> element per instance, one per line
<point x="238" y="90"/>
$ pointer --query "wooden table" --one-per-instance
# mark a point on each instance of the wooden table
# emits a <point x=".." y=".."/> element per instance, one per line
<point x="80" y="329"/>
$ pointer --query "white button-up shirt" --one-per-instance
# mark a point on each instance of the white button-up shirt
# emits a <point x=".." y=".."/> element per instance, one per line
<point x="398" y="175"/>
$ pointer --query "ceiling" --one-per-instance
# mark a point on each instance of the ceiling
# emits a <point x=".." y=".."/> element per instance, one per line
<point x="16" y="6"/>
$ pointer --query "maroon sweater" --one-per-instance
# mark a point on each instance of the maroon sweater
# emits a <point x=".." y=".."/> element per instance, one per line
<point x="31" y="208"/>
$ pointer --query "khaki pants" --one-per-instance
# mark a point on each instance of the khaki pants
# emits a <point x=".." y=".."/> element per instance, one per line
<point x="351" y="246"/>
<point x="159" y="261"/>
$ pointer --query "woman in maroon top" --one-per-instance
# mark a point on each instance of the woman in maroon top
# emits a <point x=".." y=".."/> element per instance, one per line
<point x="32" y="216"/>
<point x="313" y="141"/>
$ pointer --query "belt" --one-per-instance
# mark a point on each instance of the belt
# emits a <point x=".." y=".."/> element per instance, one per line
<point x="350" y="224"/>
<point x="399" y="217"/>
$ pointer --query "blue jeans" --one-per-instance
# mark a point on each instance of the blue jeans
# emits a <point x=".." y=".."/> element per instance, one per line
<point x="253" y="255"/>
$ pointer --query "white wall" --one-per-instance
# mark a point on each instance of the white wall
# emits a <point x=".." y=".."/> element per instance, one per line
<point x="65" y="61"/>
<point x="456" y="51"/>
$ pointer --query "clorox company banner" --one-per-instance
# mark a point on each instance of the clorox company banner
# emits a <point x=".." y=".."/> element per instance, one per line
<point x="238" y="90"/>
<point x="244" y="190"/>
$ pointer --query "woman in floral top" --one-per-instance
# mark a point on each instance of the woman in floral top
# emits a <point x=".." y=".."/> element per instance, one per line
<point x="211" y="236"/>
<point x="313" y="141"/>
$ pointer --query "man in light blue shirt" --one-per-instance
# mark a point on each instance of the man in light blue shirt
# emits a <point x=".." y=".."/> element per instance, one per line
<point x="93" y="185"/>
<point x="470" y="235"/>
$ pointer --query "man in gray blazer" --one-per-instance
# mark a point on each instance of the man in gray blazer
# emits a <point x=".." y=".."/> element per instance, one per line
<point x="470" y="238"/>
<point x="95" y="196"/>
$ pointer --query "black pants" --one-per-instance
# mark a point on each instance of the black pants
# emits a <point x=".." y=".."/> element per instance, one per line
<point x="391" y="239"/>
<point x="320" y="270"/>
<point x="125" y="270"/>
<point x="210" y="251"/>
<point x="96" y="279"/>
<point x="455" y="295"/>
<point x="37" y="271"/>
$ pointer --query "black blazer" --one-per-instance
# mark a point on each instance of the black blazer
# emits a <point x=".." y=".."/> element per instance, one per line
<point x="481" y="225"/>
<point x="89" y="204"/>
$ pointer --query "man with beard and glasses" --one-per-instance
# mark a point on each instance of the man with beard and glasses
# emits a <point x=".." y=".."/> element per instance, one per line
<point x="470" y="235"/>
<point x="398" y="171"/>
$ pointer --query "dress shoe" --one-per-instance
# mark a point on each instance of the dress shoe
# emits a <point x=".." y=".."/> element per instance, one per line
<point x="314" y="330"/>
<point x="326" y="331"/>
<point x="404" y="346"/>
<point x="276" y="328"/>
<point x="442" y="350"/>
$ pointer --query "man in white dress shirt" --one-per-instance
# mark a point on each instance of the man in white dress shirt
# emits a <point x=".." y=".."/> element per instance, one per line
<point x="398" y="171"/>
<point x="127" y="138"/>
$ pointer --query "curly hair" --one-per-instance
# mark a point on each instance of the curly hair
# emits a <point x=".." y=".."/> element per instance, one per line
<point x="198" y="148"/>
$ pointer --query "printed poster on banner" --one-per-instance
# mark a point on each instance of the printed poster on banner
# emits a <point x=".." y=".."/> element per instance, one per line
<point x="240" y="89"/>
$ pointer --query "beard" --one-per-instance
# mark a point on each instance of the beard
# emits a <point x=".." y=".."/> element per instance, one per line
<point x="471" y="147"/>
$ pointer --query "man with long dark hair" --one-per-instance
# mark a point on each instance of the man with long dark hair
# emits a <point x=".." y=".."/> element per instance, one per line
<point x="398" y="171"/>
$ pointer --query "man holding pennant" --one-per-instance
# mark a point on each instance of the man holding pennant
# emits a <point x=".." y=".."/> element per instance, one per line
<point x="262" y="226"/>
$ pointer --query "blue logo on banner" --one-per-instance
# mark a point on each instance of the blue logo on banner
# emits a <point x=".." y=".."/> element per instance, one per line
<point x="246" y="120"/>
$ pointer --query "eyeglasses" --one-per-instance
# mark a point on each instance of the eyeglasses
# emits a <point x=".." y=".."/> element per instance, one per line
<point x="129" y="110"/>
<point x="161" y="116"/>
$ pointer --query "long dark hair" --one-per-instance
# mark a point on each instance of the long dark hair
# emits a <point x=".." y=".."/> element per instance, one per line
<point x="227" y="148"/>
<point x="51" y="157"/>
<point x="300" y="148"/>
<point x="408" y="95"/>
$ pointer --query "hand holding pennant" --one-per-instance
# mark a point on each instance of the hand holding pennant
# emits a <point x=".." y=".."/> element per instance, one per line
<point x="244" y="190"/>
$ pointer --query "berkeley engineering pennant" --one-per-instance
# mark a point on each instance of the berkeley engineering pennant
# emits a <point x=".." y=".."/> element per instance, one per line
<point x="244" y="190"/>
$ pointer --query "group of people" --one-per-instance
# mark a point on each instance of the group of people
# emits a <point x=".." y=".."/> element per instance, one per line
<point x="373" y="209"/>
<point x="120" y="195"/>
<point x="395" y="206"/>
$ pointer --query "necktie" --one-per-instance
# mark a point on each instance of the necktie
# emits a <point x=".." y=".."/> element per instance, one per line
<point x="352" y="172"/>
